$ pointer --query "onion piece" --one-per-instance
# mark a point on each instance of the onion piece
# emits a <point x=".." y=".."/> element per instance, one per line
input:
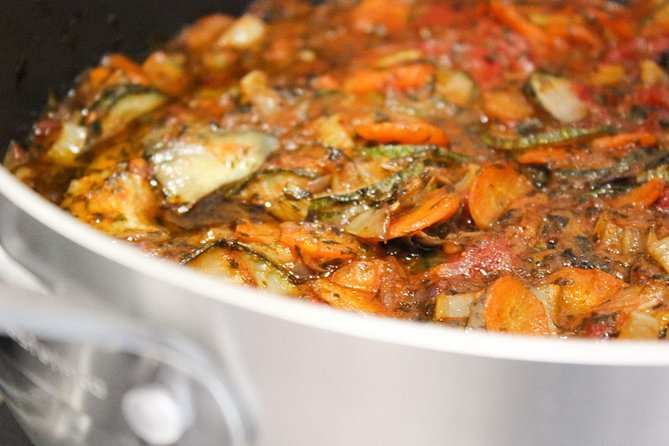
<point x="640" y="325"/>
<point x="70" y="143"/>
<point x="245" y="33"/>
<point x="558" y="96"/>
<point x="456" y="87"/>
<point x="454" y="307"/>
<point x="658" y="249"/>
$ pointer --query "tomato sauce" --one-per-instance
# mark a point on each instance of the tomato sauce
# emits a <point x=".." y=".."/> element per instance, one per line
<point x="490" y="164"/>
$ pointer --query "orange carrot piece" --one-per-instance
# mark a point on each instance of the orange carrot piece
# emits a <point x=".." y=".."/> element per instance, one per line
<point x="97" y="76"/>
<point x="401" y="78"/>
<point x="202" y="34"/>
<point x="642" y="197"/>
<point x="317" y="243"/>
<point x="392" y="15"/>
<point x="364" y="275"/>
<point x="576" y="33"/>
<point x="347" y="298"/>
<point x="581" y="291"/>
<point x="403" y="132"/>
<point x="643" y="139"/>
<point x="167" y="72"/>
<point x="437" y="205"/>
<point x="493" y="190"/>
<point x="325" y="82"/>
<point x="506" y="105"/>
<point x="544" y="155"/>
<point x="131" y="69"/>
<point x="250" y="232"/>
<point x="511" y="307"/>
<point x="506" y="13"/>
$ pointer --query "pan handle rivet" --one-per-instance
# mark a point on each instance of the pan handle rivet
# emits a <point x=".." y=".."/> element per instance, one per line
<point x="155" y="415"/>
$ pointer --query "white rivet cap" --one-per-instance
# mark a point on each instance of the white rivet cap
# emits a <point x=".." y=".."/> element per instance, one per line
<point x="154" y="415"/>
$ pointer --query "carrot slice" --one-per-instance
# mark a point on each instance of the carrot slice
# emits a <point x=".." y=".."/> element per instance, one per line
<point x="346" y="298"/>
<point x="403" y="132"/>
<point x="493" y="190"/>
<point x="507" y="14"/>
<point x="400" y="78"/>
<point x="317" y="243"/>
<point x="364" y="275"/>
<point x="544" y="155"/>
<point x="581" y="291"/>
<point x="506" y="105"/>
<point x="97" y="76"/>
<point x="371" y="14"/>
<point x="130" y="68"/>
<point x="437" y="205"/>
<point x="266" y="233"/>
<point x="167" y="72"/>
<point x="643" y="139"/>
<point x="642" y="197"/>
<point x="511" y="307"/>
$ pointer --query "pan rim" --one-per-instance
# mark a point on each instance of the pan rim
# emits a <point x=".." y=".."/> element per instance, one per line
<point x="407" y="333"/>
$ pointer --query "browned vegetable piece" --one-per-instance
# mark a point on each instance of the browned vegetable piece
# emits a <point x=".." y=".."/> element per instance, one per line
<point x="494" y="189"/>
<point x="512" y="308"/>
<point x="434" y="207"/>
<point x="582" y="290"/>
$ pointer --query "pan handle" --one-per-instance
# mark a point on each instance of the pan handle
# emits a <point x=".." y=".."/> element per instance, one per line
<point x="159" y="412"/>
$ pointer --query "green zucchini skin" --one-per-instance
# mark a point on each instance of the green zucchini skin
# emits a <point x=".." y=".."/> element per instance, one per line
<point x="393" y="151"/>
<point x="562" y="136"/>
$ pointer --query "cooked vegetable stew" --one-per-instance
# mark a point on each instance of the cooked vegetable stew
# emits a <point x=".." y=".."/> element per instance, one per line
<point x="489" y="165"/>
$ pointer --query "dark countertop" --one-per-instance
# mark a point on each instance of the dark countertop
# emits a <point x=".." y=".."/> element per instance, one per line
<point x="10" y="432"/>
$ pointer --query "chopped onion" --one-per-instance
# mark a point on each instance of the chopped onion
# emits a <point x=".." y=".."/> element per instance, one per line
<point x="454" y="307"/>
<point x="70" y="143"/>
<point x="455" y="87"/>
<point x="658" y="250"/>
<point x="247" y="32"/>
<point x="640" y="326"/>
<point x="548" y="295"/>
<point x="558" y="96"/>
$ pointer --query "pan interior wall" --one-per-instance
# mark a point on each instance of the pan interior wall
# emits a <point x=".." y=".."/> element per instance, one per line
<point x="44" y="44"/>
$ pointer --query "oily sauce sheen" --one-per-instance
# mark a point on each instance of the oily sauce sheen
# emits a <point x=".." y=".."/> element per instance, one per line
<point x="492" y="165"/>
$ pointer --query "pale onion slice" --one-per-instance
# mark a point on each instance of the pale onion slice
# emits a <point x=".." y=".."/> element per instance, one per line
<point x="70" y="143"/>
<point x="455" y="86"/>
<point x="640" y="325"/>
<point x="658" y="250"/>
<point x="454" y="307"/>
<point x="245" y="33"/>
<point x="201" y="160"/>
<point x="548" y="295"/>
<point x="558" y="96"/>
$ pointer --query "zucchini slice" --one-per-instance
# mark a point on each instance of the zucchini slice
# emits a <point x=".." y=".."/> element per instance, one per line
<point x="244" y="266"/>
<point x="377" y="193"/>
<point x="200" y="159"/>
<point x="366" y="211"/>
<point x="119" y="105"/>
<point x="558" y="96"/>
<point x="562" y="136"/>
<point x="393" y="151"/>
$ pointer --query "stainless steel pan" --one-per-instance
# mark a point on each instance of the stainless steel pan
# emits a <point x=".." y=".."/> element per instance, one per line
<point x="105" y="346"/>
